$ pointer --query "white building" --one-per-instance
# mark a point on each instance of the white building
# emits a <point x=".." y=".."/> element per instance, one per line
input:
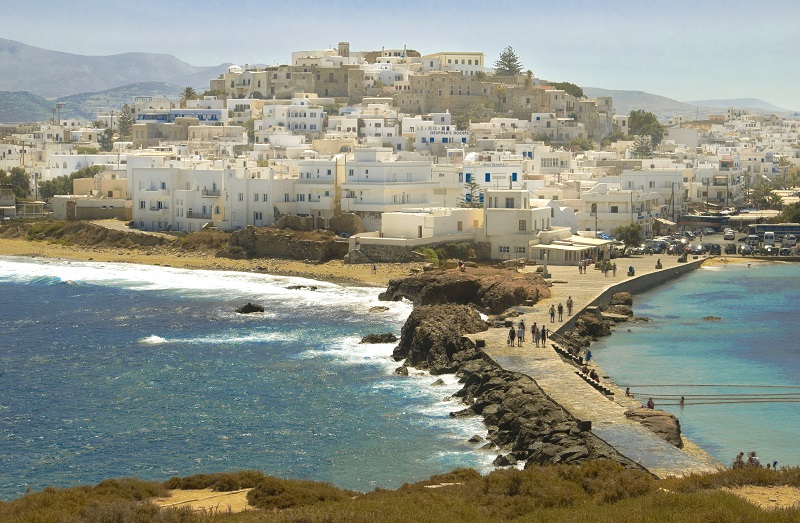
<point x="301" y="115"/>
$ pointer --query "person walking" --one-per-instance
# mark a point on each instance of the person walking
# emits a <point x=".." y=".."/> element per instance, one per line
<point x="569" y="306"/>
<point x="544" y="335"/>
<point x="614" y="269"/>
<point x="520" y="335"/>
<point x="552" y="313"/>
<point x="560" y="312"/>
<point x="512" y="334"/>
<point x="535" y="334"/>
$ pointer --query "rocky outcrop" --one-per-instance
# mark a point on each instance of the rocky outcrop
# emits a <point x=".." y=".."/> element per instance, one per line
<point x="491" y="290"/>
<point x="522" y="422"/>
<point x="663" y="424"/>
<point x="431" y="337"/>
<point x="622" y="298"/>
<point x="271" y="242"/>
<point x="250" y="308"/>
<point x="386" y="337"/>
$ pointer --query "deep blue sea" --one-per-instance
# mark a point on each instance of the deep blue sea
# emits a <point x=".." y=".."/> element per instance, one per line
<point x="740" y="376"/>
<point x="114" y="370"/>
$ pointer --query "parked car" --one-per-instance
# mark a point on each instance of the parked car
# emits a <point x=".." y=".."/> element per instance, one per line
<point x="728" y="234"/>
<point x="730" y="248"/>
<point x="785" y="251"/>
<point x="745" y="250"/>
<point x="709" y="230"/>
<point x="713" y="248"/>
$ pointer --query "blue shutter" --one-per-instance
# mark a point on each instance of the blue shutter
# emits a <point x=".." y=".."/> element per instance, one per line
<point x="513" y="177"/>
<point x="488" y="177"/>
<point x="469" y="177"/>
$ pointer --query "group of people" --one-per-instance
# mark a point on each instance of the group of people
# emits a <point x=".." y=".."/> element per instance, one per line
<point x="518" y="334"/>
<point x="752" y="461"/>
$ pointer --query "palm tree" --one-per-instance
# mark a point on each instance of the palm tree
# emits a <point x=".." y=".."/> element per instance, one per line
<point x="188" y="94"/>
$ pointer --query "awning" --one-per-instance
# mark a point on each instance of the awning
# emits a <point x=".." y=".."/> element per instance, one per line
<point x="666" y="222"/>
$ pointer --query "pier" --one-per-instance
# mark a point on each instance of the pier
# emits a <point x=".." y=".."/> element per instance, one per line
<point x="603" y="407"/>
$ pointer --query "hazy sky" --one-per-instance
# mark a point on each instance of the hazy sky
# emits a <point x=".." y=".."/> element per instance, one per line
<point x="685" y="50"/>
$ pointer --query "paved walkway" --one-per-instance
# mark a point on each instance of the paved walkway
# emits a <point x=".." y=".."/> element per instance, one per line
<point x="559" y="380"/>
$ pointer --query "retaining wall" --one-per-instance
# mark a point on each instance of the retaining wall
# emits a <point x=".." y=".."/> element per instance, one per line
<point x="634" y="285"/>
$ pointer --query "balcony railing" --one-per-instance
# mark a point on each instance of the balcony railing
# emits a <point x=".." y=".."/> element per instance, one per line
<point x="210" y="193"/>
<point x="198" y="215"/>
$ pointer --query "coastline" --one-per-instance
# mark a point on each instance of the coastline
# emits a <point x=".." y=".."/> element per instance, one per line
<point x="334" y="271"/>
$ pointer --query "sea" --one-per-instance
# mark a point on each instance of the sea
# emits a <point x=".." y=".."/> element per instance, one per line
<point x="727" y="339"/>
<point x="117" y="370"/>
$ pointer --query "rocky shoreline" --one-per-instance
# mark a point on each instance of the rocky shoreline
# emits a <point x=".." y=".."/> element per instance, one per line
<point x="524" y="425"/>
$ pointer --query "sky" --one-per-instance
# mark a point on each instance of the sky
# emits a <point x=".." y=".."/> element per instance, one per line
<point x="684" y="50"/>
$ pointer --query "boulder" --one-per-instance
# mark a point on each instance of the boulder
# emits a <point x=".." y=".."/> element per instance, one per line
<point x="432" y="335"/>
<point x="622" y="298"/>
<point x="663" y="424"/>
<point x="386" y="337"/>
<point x="250" y="308"/>
<point x="379" y="308"/>
<point x="491" y="290"/>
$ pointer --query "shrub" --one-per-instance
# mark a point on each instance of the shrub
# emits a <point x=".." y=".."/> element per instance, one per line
<point x="273" y="493"/>
<point x="430" y="254"/>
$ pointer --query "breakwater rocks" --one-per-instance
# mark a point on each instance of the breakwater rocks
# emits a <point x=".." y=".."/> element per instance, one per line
<point x="523" y="423"/>
<point x="489" y="290"/>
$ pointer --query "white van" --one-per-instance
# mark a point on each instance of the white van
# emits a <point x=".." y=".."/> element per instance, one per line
<point x="769" y="239"/>
<point x="752" y="240"/>
<point x="790" y="240"/>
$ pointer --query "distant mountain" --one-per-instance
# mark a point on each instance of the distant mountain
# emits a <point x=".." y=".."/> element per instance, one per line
<point x="19" y="107"/>
<point x="751" y="103"/>
<point x="663" y="107"/>
<point x="89" y="105"/>
<point x="53" y="74"/>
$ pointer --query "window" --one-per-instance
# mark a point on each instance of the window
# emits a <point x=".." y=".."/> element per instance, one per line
<point x="460" y="226"/>
<point x="523" y="225"/>
<point x="513" y="177"/>
<point x="460" y="177"/>
<point x="352" y="172"/>
<point x="503" y="249"/>
<point x="257" y="216"/>
<point x="286" y="197"/>
<point x="241" y="196"/>
<point x="142" y="204"/>
<point x="488" y="177"/>
<point x="255" y="197"/>
<point x="264" y="197"/>
<point x="163" y="185"/>
<point x="519" y="250"/>
<point x="301" y="197"/>
<point x="216" y="211"/>
<point x="614" y="209"/>
<point x="509" y="203"/>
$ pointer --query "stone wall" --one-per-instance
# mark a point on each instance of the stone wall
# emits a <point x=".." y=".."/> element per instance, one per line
<point x="384" y="254"/>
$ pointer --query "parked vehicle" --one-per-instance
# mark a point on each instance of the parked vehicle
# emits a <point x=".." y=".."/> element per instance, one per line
<point x="790" y="240"/>
<point x="708" y="230"/>
<point x="769" y="239"/>
<point x="745" y="249"/>
<point x="730" y="248"/>
<point x="753" y="240"/>
<point x="729" y="234"/>
<point x="785" y="251"/>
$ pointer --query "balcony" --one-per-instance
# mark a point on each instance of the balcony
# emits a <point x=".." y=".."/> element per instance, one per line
<point x="156" y="208"/>
<point x="198" y="215"/>
<point x="210" y="193"/>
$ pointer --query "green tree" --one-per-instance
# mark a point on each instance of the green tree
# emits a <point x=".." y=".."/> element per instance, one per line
<point x="63" y="184"/>
<point x="571" y="88"/>
<point x="631" y="234"/>
<point x="472" y="196"/>
<point x="761" y="192"/>
<point x="790" y="214"/>
<point x="508" y="64"/>
<point x="187" y="94"/>
<point x="644" y="122"/>
<point x="479" y="75"/>
<point x="125" y="122"/>
<point x="642" y="146"/>
<point x="19" y="180"/>
<point x="584" y="144"/>
<point x="105" y="141"/>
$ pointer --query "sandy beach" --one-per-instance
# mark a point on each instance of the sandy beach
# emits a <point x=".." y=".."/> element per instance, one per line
<point x="332" y="271"/>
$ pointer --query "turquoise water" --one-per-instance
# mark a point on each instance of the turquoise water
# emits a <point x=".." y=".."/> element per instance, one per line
<point x="112" y="370"/>
<point x="725" y="369"/>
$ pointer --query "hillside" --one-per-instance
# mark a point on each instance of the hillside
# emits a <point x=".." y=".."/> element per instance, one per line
<point x="19" y="107"/>
<point x="663" y="107"/>
<point x="53" y="74"/>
